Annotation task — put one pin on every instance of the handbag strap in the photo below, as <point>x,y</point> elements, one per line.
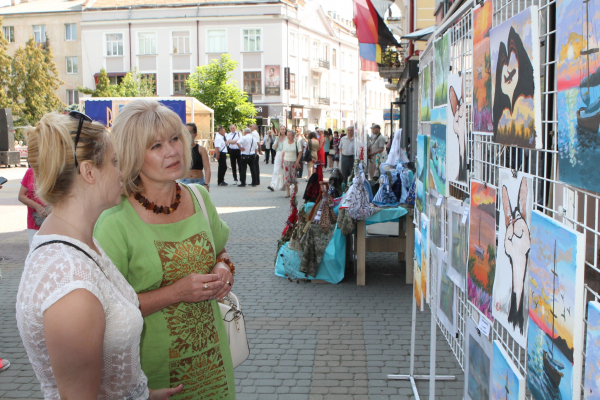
<point>200,200</point>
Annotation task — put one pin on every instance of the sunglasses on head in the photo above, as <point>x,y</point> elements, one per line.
<point>81,117</point>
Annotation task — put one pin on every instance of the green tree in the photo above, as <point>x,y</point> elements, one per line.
<point>34,80</point>
<point>5,100</point>
<point>213,86</point>
<point>103,87</point>
<point>134,84</point>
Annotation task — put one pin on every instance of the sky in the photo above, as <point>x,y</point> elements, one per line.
<point>342,7</point>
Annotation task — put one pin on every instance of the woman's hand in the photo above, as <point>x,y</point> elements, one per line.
<point>222,270</point>
<point>297,165</point>
<point>163,394</point>
<point>207,187</point>
<point>195,288</point>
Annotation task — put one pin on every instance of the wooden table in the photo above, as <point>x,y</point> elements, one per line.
<point>403,244</point>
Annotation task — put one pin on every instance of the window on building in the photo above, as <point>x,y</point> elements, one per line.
<point>39,33</point>
<point>305,86</point>
<point>350,63</point>
<point>334,58</point>
<point>305,47</point>
<point>147,43</point>
<point>70,32</point>
<point>114,44</point>
<point>9,33</point>
<point>179,82</point>
<point>292,44</point>
<point>181,42</point>
<point>315,50</point>
<point>315,87</point>
<point>252,39</point>
<point>351,98</point>
<point>72,97</point>
<point>293,84</point>
<point>72,67</point>
<point>116,79</point>
<point>252,82</point>
<point>343,94</point>
<point>326,52</point>
<point>334,92</point>
<point>343,61</point>
<point>217,40</point>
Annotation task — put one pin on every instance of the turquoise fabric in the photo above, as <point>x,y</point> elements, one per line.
<point>386,215</point>
<point>326,146</point>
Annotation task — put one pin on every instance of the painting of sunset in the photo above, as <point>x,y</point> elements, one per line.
<point>418,288</point>
<point>482,69</point>
<point>591,383</point>
<point>578,79</point>
<point>482,247</point>
<point>425,256</point>
<point>555,334</point>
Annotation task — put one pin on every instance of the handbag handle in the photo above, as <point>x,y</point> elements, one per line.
<point>199,199</point>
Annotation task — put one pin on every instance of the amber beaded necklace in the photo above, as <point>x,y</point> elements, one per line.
<point>148,205</point>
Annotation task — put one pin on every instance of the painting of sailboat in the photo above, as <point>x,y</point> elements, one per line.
<point>437,151</point>
<point>436,230</point>
<point>578,80</point>
<point>555,331</point>
<point>458,242</point>
<point>507,382</point>
<point>591,383</point>
<point>481,268</point>
<point>478,363</point>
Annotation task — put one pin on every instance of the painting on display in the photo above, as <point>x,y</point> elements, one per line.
<point>426,93</point>
<point>437,151</point>
<point>516,104</point>
<point>478,361</point>
<point>578,80</point>
<point>458,242</point>
<point>441,59</point>
<point>507,382</point>
<point>456,126</point>
<point>425,257</point>
<point>417,284</point>
<point>482,69</point>
<point>422,173</point>
<point>272,80</point>
<point>591,382</point>
<point>481,267</point>
<point>514,244</point>
<point>555,331</point>
<point>446,299</point>
<point>436,218</point>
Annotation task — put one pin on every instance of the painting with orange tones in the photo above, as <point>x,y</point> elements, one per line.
<point>482,69</point>
<point>556,310</point>
<point>481,268</point>
<point>578,79</point>
<point>418,286</point>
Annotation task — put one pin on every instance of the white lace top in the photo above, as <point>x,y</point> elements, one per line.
<point>52,272</point>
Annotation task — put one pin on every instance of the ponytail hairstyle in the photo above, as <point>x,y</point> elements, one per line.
<point>51,147</point>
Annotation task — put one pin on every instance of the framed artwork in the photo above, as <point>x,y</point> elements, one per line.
<point>555,331</point>
<point>516,100</point>
<point>437,151</point>
<point>482,69</point>
<point>441,59</point>
<point>418,285</point>
<point>478,363</point>
<point>514,244</point>
<point>422,171</point>
<point>481,267</point>
<point>456,130</point>
<point>425,257</point>
<point>426,93</point>
<point>446,294</point>
<point>578,73</point>
<point>436,218</point>
<point>458,242</point>
<point>507,382</point>
<point>591,382</point>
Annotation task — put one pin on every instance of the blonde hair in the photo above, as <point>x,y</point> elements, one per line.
<point>51,146</point>
<point>135,130</point>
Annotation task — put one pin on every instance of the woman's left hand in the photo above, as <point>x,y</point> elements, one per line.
<point>164,394</point>
<point>226,276</point>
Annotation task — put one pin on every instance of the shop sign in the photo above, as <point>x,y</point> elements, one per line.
<point>286,78</point>
<point>297,112</point>
<point>262,111</point>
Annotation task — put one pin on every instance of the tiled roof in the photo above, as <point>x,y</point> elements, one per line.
<point>96,4</point>
<point>43,6</point>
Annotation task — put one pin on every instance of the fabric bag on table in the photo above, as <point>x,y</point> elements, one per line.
<point>385,197</point>
<point>357,199</point>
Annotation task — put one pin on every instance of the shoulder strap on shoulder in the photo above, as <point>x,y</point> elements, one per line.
<point>67,244</point>
<point>200,200</point>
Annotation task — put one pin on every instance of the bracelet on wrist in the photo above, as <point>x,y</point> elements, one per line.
<point>228,263</point>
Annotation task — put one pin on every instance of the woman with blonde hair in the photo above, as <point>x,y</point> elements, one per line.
<point>277,178</point>
<point>78,317</point>
<point>169,243</point>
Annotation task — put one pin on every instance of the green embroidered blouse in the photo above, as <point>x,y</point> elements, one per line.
<point>185,342</point>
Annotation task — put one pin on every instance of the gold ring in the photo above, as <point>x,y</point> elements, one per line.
<point>229,283</point>
<point>206,287</point>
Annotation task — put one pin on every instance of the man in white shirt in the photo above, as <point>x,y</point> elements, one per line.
<point>375,147</point>
<point>249,147</point>
<point>221,155</point>
<point>256,176</point>
<point>234,152</point>
<point>347,150</point>
<point>300,138</point>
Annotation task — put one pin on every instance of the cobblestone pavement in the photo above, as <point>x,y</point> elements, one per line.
<point>308,341</point>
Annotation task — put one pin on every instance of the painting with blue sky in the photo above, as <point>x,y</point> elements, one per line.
<point>591,383</point>
<point>418,287</point>
<point>507,382</point>
<point>425,256</point>
<point>422,171</point>
<point>437,151</point>
<point>555,328</point>
<point>478,357</point>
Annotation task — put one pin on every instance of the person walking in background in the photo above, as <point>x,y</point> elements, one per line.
<point>300,138</point>
<point>36,209</point>
<point>347,148</point>
<point>270,150</point>
<point>221,155</point>
<point>292,154</point>
<point>276,182</point>
<point>376,146</point>
<point>249,147</point>
<point>326,148</point>
<point>256,176</point>
<point>313,147</point>
<point>321,151</point>
<point>235,155</point>
<point>198,174</point>
<point>336,149</point>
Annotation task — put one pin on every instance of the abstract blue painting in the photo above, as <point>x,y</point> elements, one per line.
<point>591,383</point>
<point>507,382</point>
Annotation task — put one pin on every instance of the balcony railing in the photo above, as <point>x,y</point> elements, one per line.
<point>324,64</point>
<point>323,100</point>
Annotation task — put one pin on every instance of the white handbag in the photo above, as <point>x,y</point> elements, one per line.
<point>235,326</point>
<point>231,311</point>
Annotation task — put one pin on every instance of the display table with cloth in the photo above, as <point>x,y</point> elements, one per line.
<point>332,266</point>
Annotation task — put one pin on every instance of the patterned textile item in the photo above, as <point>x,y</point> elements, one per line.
<point>312,192</point>
<point>291,264</point>
<point>385,197</point>
<point>289,173</point>
<point>410,199</point>
<point>335,183</point>
<point>313,244</point>
<point>327,216</point>
<point>344,222</point>
<point>357,198</point>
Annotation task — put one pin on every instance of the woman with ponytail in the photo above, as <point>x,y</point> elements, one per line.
<point>78,317</point>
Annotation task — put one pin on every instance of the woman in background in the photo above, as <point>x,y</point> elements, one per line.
<point>200,171</point>
<point>278,147</point>
<point>28,196</point>
<point>336,149</point>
